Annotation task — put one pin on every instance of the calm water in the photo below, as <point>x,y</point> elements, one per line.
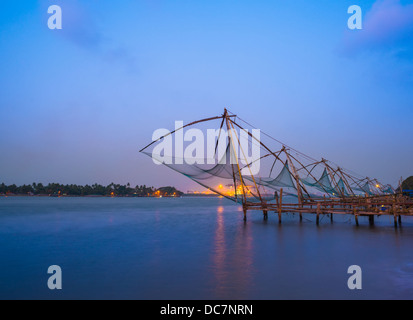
<point>193,248</point>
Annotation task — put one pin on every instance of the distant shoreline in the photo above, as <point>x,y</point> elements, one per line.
<point>100,196</point>
<point>95,190</point>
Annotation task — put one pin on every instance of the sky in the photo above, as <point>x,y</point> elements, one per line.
<point>77,104</point>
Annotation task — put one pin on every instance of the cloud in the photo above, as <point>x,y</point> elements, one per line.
<point>387,27</point>
<point>80,29</point>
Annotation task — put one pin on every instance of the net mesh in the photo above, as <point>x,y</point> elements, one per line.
<point>226,163</point>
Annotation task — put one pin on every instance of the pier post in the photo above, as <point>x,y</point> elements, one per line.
<point>265,215</point>
<point>280,206</point>
<point>331,214</point>
<point>245,214</point>
<point>371,220</point>
<point>318,213</point>
<point>355,215</point>
<point>395,215</point>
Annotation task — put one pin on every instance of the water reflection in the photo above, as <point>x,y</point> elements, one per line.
<point>220,253</point>
<point>232,260</point>
<point>243,259</point>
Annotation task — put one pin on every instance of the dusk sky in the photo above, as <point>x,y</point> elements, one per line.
<point>77,104</point>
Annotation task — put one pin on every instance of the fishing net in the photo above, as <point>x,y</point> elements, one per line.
<point>229,157</point>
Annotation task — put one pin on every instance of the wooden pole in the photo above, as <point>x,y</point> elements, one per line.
<point>356,216</point>
<point>331,214</point>
<point>395,215</point>
<point>296,177</point>
<point>239,169</point>
<point>333,180</point>
<point>318,213</point>
<point>280,206</point>
<point>265,212</point>
<point>225,115</point>
<point>231,142</point>
<point>345,182</point>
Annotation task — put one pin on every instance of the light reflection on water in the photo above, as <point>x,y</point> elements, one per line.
<point>220,254</point>
<point>194,248</point>
<point>233,266</point>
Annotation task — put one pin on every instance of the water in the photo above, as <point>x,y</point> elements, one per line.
<point>193,248</point>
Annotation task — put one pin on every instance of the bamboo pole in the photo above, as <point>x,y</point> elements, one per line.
<point>236,158</point>
<point>249,168</point>
<point>343,177</point>
<point>297,181</point>
<point>185,126</point>
<point>331,172</point>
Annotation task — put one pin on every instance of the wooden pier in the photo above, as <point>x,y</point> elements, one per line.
<point>320,186</point>
<point>395,206</point>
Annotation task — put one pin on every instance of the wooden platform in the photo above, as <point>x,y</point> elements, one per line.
<point>391,205</point>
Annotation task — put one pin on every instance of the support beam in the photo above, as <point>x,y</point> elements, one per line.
<point>296,177</point>
<point>395,213</point>
<point>332,178</point>
<point>331,214</point>
<point>280,206</point>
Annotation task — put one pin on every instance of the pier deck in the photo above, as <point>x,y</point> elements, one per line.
<point>394,205</point>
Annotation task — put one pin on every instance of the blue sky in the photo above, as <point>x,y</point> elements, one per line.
<point>77,104</point>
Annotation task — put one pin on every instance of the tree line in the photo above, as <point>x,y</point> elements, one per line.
<point>408,184</point>
<point>55,189</point>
